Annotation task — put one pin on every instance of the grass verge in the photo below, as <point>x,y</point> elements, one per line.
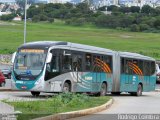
<point>57,104</point>
<point>143,43</point>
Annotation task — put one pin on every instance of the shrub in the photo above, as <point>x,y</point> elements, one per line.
<point>43,17</point>
<point>51,20</point>
<point>36,18</point>
<point>144,27</point>
<point>134,28</point>
<point>7,17</point>
<point>76,21</point>
<point>157,23</point>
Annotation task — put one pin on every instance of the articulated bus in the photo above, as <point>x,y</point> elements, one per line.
<point>47,66</point>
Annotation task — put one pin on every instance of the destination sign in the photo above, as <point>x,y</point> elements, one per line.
<point>32,51</point>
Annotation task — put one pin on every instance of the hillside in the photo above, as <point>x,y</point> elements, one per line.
<point>144,43</point>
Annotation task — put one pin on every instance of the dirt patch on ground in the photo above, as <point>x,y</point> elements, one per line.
<point>7,23</point>
<point>126,36</point>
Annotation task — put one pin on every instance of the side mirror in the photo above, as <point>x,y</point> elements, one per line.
<point>13,57</point>
<point>49,58</point>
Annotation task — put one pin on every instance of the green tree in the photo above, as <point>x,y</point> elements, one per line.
<point>68,5</point>
<point>109,21</point>
<point>33,10</point>
<point>125,21</point>
<point>144,27</point>
<point>36,18</point>
<point>124,9</point>
<point>134,28</point>
<point>103,8</point>
<point>112,8</point>
<point>7,17</point>
<point>135,9</point>
<point>157,23</point>
<point>157,10</point>
<point>83,7</point>
<point>146,9</point>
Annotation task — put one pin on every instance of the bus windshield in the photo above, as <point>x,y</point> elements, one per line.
<point>29,63</point>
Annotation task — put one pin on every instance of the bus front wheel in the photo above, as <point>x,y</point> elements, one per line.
<point>66,87</point>
<point>35,93</point>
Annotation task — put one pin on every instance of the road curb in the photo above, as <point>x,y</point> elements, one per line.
<point>73,114</point>
<point>9,90</point>
<point>5,89</point>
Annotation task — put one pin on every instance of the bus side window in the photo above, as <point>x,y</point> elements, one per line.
<point>52,68</point>
<point>128,69</point>
<point>122,65</point>
<point>135,63</point>
<point>141,65</point>
<point>66,63</point>
<point>88,62</point>
<point>153,68</point>
<point>109,62</point>
<point>55,64</point>
<point>96,64</point>
<point>146,68</point>
<point>77,63</point>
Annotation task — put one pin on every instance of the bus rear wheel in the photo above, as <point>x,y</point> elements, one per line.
<point>66,87</point>
<point>35,93</point>
<point>103,90</point>
<point>139,91</point>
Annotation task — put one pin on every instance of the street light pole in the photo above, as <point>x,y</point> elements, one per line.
<point>25,17</point>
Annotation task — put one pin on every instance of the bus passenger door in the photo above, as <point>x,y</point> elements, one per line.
<point>96,73</point>
<point>77,71</point>
<point>87,76</point>
<point>126,75</point>
<point>146,76</point>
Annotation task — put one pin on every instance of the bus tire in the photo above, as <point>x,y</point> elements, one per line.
<point>66,87</point>
<point>116,93</point>
<point>103,90</point>
<point>139,90</point>
<point>35,93</point>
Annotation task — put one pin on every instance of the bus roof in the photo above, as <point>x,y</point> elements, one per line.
<point>135,55</point>
<point>42,44</point>
<point>80,47</point>
<point>60,44</point>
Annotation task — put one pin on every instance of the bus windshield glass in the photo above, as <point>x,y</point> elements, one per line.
<point>29,62</point>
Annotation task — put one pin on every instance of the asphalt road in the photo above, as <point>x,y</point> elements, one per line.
<point>149,103</point>
<point>8,83</point>
<point>2,66</point>
<point>23,96</point>
<point>124,104</point>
